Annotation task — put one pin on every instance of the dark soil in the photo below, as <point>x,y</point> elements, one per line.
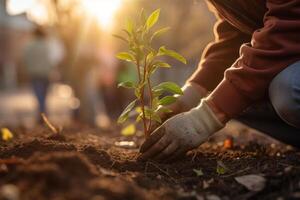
<point>86,165</point>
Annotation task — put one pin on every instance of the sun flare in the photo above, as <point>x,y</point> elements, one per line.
<point>103,10</point>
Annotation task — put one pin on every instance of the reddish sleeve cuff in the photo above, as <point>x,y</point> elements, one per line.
<point>228,99</point>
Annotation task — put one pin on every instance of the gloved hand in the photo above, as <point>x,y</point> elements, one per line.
<point>192,94</point>
<point>181,133</point>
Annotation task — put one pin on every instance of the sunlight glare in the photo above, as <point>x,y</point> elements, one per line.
<point>15,7</point>
<point>103,10</point>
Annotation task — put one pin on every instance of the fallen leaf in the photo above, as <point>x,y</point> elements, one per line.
<point>198,172</point>
<point>6,134</point>
<point>206,183</point>
<point>212,197</point>
<point>252,182</point>
<point>221,168</point>
<point>129,130</point>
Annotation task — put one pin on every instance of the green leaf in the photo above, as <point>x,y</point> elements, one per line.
<point>162,64</point>
<point>124,116</point>
<point>128,130</point>
<point>155,101</point>
<point>159,32</point>
<point>156,117</point>
<point>169,87</point>
<point>152,19</point>
<point>163,109</point>
<point>125,56</point>
<point>138,109</point>
<point>167,100</point>
<point>150,114</point>
<point>129,26</point>
<point>137,93</point>
<point>150,57</point>
<point>221,168</point>
<point>157,93</point>
<point>171,53</point>
<point>143,16</point>
<point>126,32</point>
<point>139,117</point>
<point>126,84</point>
<point>120,37</point>
<point>198,172</point>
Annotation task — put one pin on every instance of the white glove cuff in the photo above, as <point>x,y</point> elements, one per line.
<point>190,98</point>
<point>204,119</point>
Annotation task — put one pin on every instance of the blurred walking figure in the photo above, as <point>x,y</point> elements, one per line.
<point>38,64</point>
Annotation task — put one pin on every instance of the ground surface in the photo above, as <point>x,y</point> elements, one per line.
<point>81,164</point>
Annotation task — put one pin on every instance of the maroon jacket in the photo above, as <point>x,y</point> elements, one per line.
<point>255,40</point>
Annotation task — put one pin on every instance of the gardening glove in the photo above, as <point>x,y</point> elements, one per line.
<point>181,133</point>
<point>192,94</point>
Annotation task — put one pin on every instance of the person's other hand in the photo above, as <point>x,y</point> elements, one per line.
<point>180,134</point>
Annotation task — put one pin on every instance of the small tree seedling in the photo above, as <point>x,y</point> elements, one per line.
<point>147,60</point>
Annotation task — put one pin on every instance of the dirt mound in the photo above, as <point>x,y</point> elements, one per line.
<point>73,168</point>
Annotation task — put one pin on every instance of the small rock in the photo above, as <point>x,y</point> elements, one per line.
<point>252,182</point>
<point>3,168</point>
<point>296,195</point>
<point>126,144</point>
<point>288,169</point>
<point>213,197</point>
<point>10,192</point>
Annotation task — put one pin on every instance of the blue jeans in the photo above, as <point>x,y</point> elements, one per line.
<point>279,117</point>
<point>40,89</point>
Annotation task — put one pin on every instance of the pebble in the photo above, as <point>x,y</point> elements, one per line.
<point>9,192</point>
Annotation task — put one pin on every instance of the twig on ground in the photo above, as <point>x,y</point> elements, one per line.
<point>194,156</point>
<point>235,173</point>
<point>49,125</point>
<point>288,165</point>
<point>163,171</point>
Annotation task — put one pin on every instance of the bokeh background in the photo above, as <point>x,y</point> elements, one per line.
<point>72,40</point>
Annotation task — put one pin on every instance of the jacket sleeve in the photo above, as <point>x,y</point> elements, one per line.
<point>272,48</point>
<point>219,55</point>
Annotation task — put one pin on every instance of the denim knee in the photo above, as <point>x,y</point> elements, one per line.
<point>284,93</point>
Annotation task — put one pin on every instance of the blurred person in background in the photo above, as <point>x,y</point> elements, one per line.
<point>250,72</point>
<point>40,56</point>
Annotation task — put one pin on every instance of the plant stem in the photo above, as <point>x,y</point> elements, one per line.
<point>151,99</point>
<point>142,99</point>
<point>143,111</point>
<point>138,69</point>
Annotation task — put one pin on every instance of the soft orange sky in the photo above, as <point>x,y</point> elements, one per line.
<point>102,10</point>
